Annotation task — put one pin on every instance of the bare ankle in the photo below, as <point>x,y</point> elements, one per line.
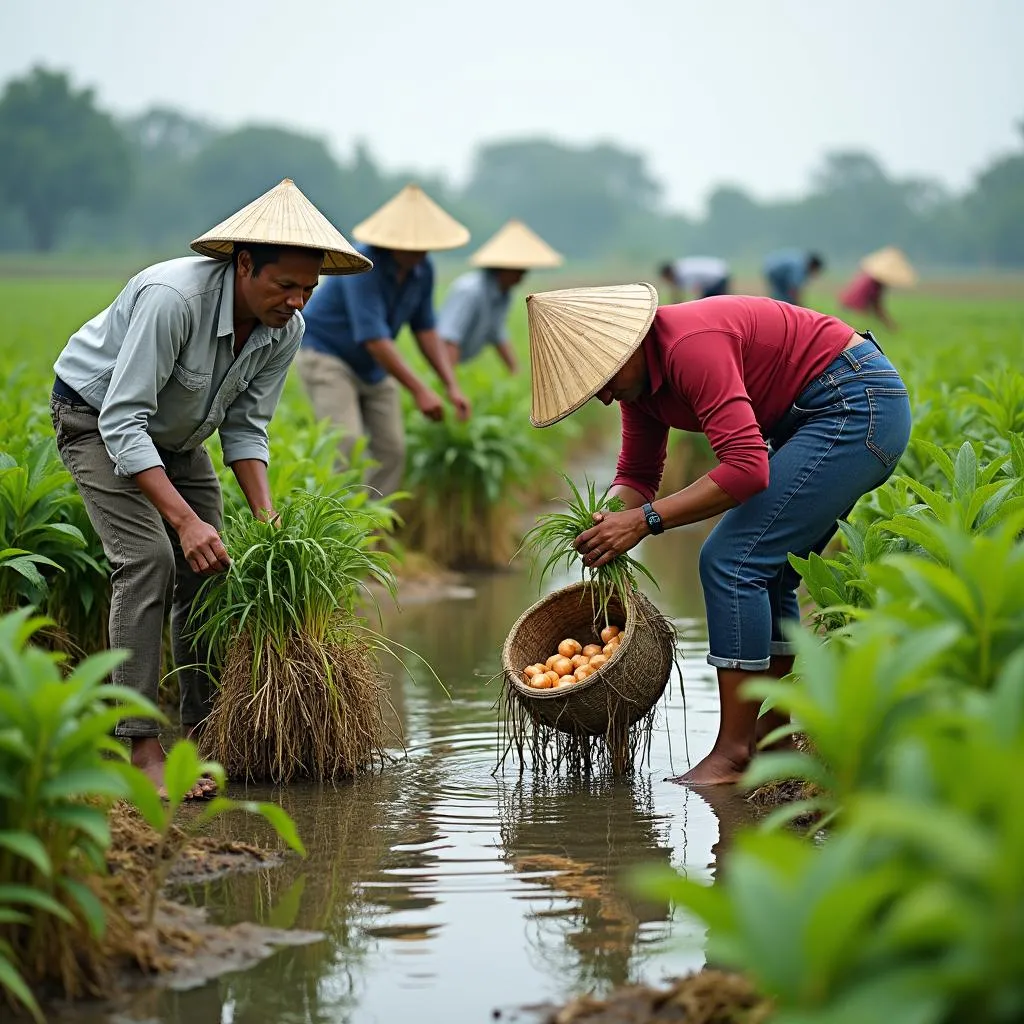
<point>147,750</point>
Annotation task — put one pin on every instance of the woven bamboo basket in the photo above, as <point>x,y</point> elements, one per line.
<point>621,693</point>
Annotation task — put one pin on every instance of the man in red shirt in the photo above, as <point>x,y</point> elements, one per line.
<point>804,415</point>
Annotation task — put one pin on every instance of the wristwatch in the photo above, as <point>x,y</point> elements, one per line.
<point>654,523</point>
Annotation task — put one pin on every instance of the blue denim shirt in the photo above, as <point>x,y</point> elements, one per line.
<point>787,268</point>
<point>347,311</point>
<point>474,313</point>
<point>159,365</point>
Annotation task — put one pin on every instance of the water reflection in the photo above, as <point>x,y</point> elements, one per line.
<point>574,839</point>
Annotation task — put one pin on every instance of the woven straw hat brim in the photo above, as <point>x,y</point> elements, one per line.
<point>516,247</point>
<point>579,339</point>
<point>283,216</point>
<point>411,221</point>
<point>890,267</point>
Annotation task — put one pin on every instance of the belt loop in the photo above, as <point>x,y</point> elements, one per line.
<point>850,358</point>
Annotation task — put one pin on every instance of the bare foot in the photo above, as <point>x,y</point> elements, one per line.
<point>149,757</point>
<point>194,733</point>
<point>716,769</point>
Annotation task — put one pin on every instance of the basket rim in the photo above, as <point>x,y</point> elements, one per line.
<point>561,693</point>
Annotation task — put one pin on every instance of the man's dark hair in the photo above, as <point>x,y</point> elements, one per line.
<point>815,262</point>
<point>665,270</point>
<point>263,254</point>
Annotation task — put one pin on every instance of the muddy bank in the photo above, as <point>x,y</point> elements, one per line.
<point>707,997</point>
<point>176,947</point>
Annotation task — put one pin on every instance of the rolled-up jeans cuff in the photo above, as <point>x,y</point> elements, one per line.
<point>782,649</point>
<point>137,728</point>
<point>758,665</point>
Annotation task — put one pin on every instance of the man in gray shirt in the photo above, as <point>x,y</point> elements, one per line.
<point>475,311</point>
<point>189,346</point>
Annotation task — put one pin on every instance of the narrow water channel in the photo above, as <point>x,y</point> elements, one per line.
<point>448,891</point>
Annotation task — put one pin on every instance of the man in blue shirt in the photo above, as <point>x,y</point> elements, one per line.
<point>349,362</point>
<point>788,270</point>
<point>475,310</point>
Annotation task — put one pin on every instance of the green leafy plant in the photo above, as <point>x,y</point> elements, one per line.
<point>911,908</point>
<point>59,772</point>
<point>182,770</point>
<point>467,478</point>
<point>554,539</point>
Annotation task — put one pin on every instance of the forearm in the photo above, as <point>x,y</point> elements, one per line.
<point>508,357</point>
<point>156,485</point>
<point>432,347</point>
<point>701,500</point>
<point>630,497</point>
<point>251,475</point>
<point>454,352</point>
<point>385,351</point>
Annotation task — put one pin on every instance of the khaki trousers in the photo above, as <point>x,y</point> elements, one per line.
<point>358,408</point>
<point>150,573</point>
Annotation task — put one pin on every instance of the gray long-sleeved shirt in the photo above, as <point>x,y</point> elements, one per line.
<point>158,364</point>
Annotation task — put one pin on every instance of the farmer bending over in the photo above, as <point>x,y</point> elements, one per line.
<point>475,310</point>
<point>741,370</point>
<point>787,271</point>
<point>350,364</point>
<point>189,346</point>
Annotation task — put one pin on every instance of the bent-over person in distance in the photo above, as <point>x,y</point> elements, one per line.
<point>787,272</point>
<point>738,369</point>
<point>188,347</point>
<point>884,269</point>
<point>475,310</point>
<point>699,276</point>
<point>349,362</point>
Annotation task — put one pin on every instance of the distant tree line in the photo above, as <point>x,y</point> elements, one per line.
<point>72,177</point>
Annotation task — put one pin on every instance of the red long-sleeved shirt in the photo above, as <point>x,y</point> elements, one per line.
<point>729,367</point>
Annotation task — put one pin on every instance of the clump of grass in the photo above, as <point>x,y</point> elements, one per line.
<point>300,689</point>
<point>467,479</point>
<point>554,539</point>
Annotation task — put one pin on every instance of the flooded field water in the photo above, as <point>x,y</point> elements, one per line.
<point>449,891</point>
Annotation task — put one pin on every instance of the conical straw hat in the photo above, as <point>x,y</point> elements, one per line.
<point>889,266</point>
<point>411,221</point>
<point>283,216</point>
<point>515,247</point>
<point>579,339</point>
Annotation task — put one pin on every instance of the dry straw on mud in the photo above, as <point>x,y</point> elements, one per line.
<point>301,693</point>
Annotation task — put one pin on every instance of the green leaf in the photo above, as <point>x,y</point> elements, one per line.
<point>34,898</point>
<point>13,982</point>
<point>277,816</point>
<point>29,848</point>
<point>83,782</point>
<point>92,909</point>
<point>181,771</point>
<point>145,795</point>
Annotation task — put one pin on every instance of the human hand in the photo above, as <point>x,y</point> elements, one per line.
<point>203,548</point>
<point>614,534</point>
<point>429,403</point>
<point>461,403</point>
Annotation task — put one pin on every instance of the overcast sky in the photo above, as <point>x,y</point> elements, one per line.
<point>747,91</point>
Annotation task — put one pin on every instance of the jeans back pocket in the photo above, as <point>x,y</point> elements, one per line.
<point>888,423</point>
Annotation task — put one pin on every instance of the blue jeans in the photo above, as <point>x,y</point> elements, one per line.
<point>842,438</point>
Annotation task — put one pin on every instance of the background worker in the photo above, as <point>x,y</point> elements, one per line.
<point>883,269</point>
<point>349,362</point>
<point>475,310</point>
<point>699,276</point>
<point>787,272</point>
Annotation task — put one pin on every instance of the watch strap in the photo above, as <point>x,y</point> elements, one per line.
<point>654,523</point>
